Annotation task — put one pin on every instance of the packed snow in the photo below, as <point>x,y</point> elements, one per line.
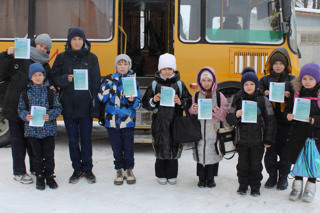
<point>144,196</point>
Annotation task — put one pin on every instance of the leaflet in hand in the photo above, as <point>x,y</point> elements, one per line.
<point>37,112</point>
<point>301,109</point>
<point>276,92</point>
<point>205,108</point>
<point>80,79</point>
<point>23,48</point>
<point>167,96</point>
<point>129,86</point>
<point>249,112</point>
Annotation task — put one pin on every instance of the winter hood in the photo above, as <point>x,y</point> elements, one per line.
<point>210,70</point>
<point>268,67</point>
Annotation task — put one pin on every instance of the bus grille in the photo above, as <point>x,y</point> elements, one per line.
<point>254,59</point>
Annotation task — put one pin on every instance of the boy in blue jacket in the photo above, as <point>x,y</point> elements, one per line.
<point>41,139</point>
<point>120,115</point>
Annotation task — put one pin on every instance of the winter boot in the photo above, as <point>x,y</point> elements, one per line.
<point>128,174</point>
<point>271,182</point>
<point>242,190</point>
<point>76,176</point>
<point>309,192</point>
<point>211,183</point>
<point>202,183</point>
<point>51,182</point>
<point>90,176</point>
<point>255,192</point>
<point>119,178</point>
<point>40,185</point>
<point>283,182</point>
<point>297,187</point>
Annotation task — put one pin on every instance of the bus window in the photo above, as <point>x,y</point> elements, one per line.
<point>189,20</point>
<point>14,18</point>
<point>293,34</point>
<point>95,17</point>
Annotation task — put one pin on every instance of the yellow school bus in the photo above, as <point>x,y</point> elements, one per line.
<point>227,35</point>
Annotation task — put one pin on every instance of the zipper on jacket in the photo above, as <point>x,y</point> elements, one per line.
<point>204,142</point>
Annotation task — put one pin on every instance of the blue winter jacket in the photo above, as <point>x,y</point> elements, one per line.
<point>119,112</point>
<point>77,103</point>
<point>37,96</point>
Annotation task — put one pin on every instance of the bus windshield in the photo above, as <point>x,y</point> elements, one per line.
<point>231,21</point>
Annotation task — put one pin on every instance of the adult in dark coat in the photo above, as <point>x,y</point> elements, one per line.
<point>167,151</point>
<point>78,105</point>
<point>251,136</point>
<point>16,72</point>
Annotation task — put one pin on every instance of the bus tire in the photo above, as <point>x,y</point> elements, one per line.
<point>4,133</point>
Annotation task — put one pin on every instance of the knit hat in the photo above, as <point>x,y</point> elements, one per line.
<point>247,69</point>
<point>206,74</point>
<point>76,31</point>
<point>44,39</point>
<point>123,57</point>
<point>278,56</point>
<point>311,69</point>
<point>250,76</point>
<point>36,67</point>
<point>167,61</point>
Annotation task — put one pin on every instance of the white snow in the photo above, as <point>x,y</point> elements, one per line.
<point>144,196</point>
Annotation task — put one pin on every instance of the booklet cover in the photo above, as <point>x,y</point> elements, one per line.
<point>37,112</point>
<point>276,92</point>
<point>301,109</point>
<point>80,79</point>
<point>167,96</point>
<point>205,109</point>
<point>129,86</point>
<point>23,48</point>
<point>249,112</point>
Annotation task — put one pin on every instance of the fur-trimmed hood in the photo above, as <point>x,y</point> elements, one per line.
<point>214,86</point>
<point>268,68</point>
<point>296,84</point>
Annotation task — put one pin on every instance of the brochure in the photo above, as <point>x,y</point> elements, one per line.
<point>37,112</point>
<point>81,79</point>
<point>129,86</point>
<point>301,109</point>
<point>249,112</point>
<point>167,96</point>
<point>276,92</point>
<point>23,48</point>
<point>205,109</point>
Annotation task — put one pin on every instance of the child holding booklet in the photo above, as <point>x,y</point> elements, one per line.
<point>205,152</point>
<point>252,137</point>
<point>41,139</point>
<point>167,151</point>
<point>278,69</point>
<point>120,115</point>
<point>305,86</point>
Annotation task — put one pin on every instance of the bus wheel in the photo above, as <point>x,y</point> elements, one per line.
<point>4,131</point>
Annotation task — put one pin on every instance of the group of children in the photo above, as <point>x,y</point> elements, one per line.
<point>274,130</point>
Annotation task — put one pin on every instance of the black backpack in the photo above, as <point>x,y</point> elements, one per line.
<point>102,105</point>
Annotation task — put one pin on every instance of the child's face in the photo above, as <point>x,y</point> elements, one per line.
<point>166,72</point>
<point>308,81</point>
<point>249,87</point>
<point>37,78</point>
<point>122,67</point>
<point>206,83</point>
<point>278,67</point>
<point>42,47</point>
<point>76,43</point>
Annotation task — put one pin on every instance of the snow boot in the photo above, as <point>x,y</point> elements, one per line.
<point>283,182</point>
<point>255,192</point>
<point>271,182</point>
<point>211,183</point>
<point>242,190</point>
<point>90,176</point>
<point>202,183</point>
<point>128,174</point>
<point>172,181</point>
<point>76,176</point>
<point>51,182</point>
<point>297,187</point>
<point>119,178</point>
<point>40,185</point>
<point>309,192</point>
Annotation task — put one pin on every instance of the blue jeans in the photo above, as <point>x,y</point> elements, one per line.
<point>80,155</point>
<point>19,147</point>
<point>122,146</point>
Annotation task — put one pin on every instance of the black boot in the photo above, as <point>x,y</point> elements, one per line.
<point>202,183</point>
<point>40,183</point>
<point>283,182</point>
<point>255,192</point>
<point>51,182</point>
<point>211,183</point>
<point>271,182</point>
<point>242,190</point>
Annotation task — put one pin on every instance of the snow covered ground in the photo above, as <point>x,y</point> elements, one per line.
<point>144,196</point>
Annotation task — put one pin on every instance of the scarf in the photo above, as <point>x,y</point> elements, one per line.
<point>38,56</point>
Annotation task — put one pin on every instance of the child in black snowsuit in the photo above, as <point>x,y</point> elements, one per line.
<point>252,137</point>
<point>278,67</point>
